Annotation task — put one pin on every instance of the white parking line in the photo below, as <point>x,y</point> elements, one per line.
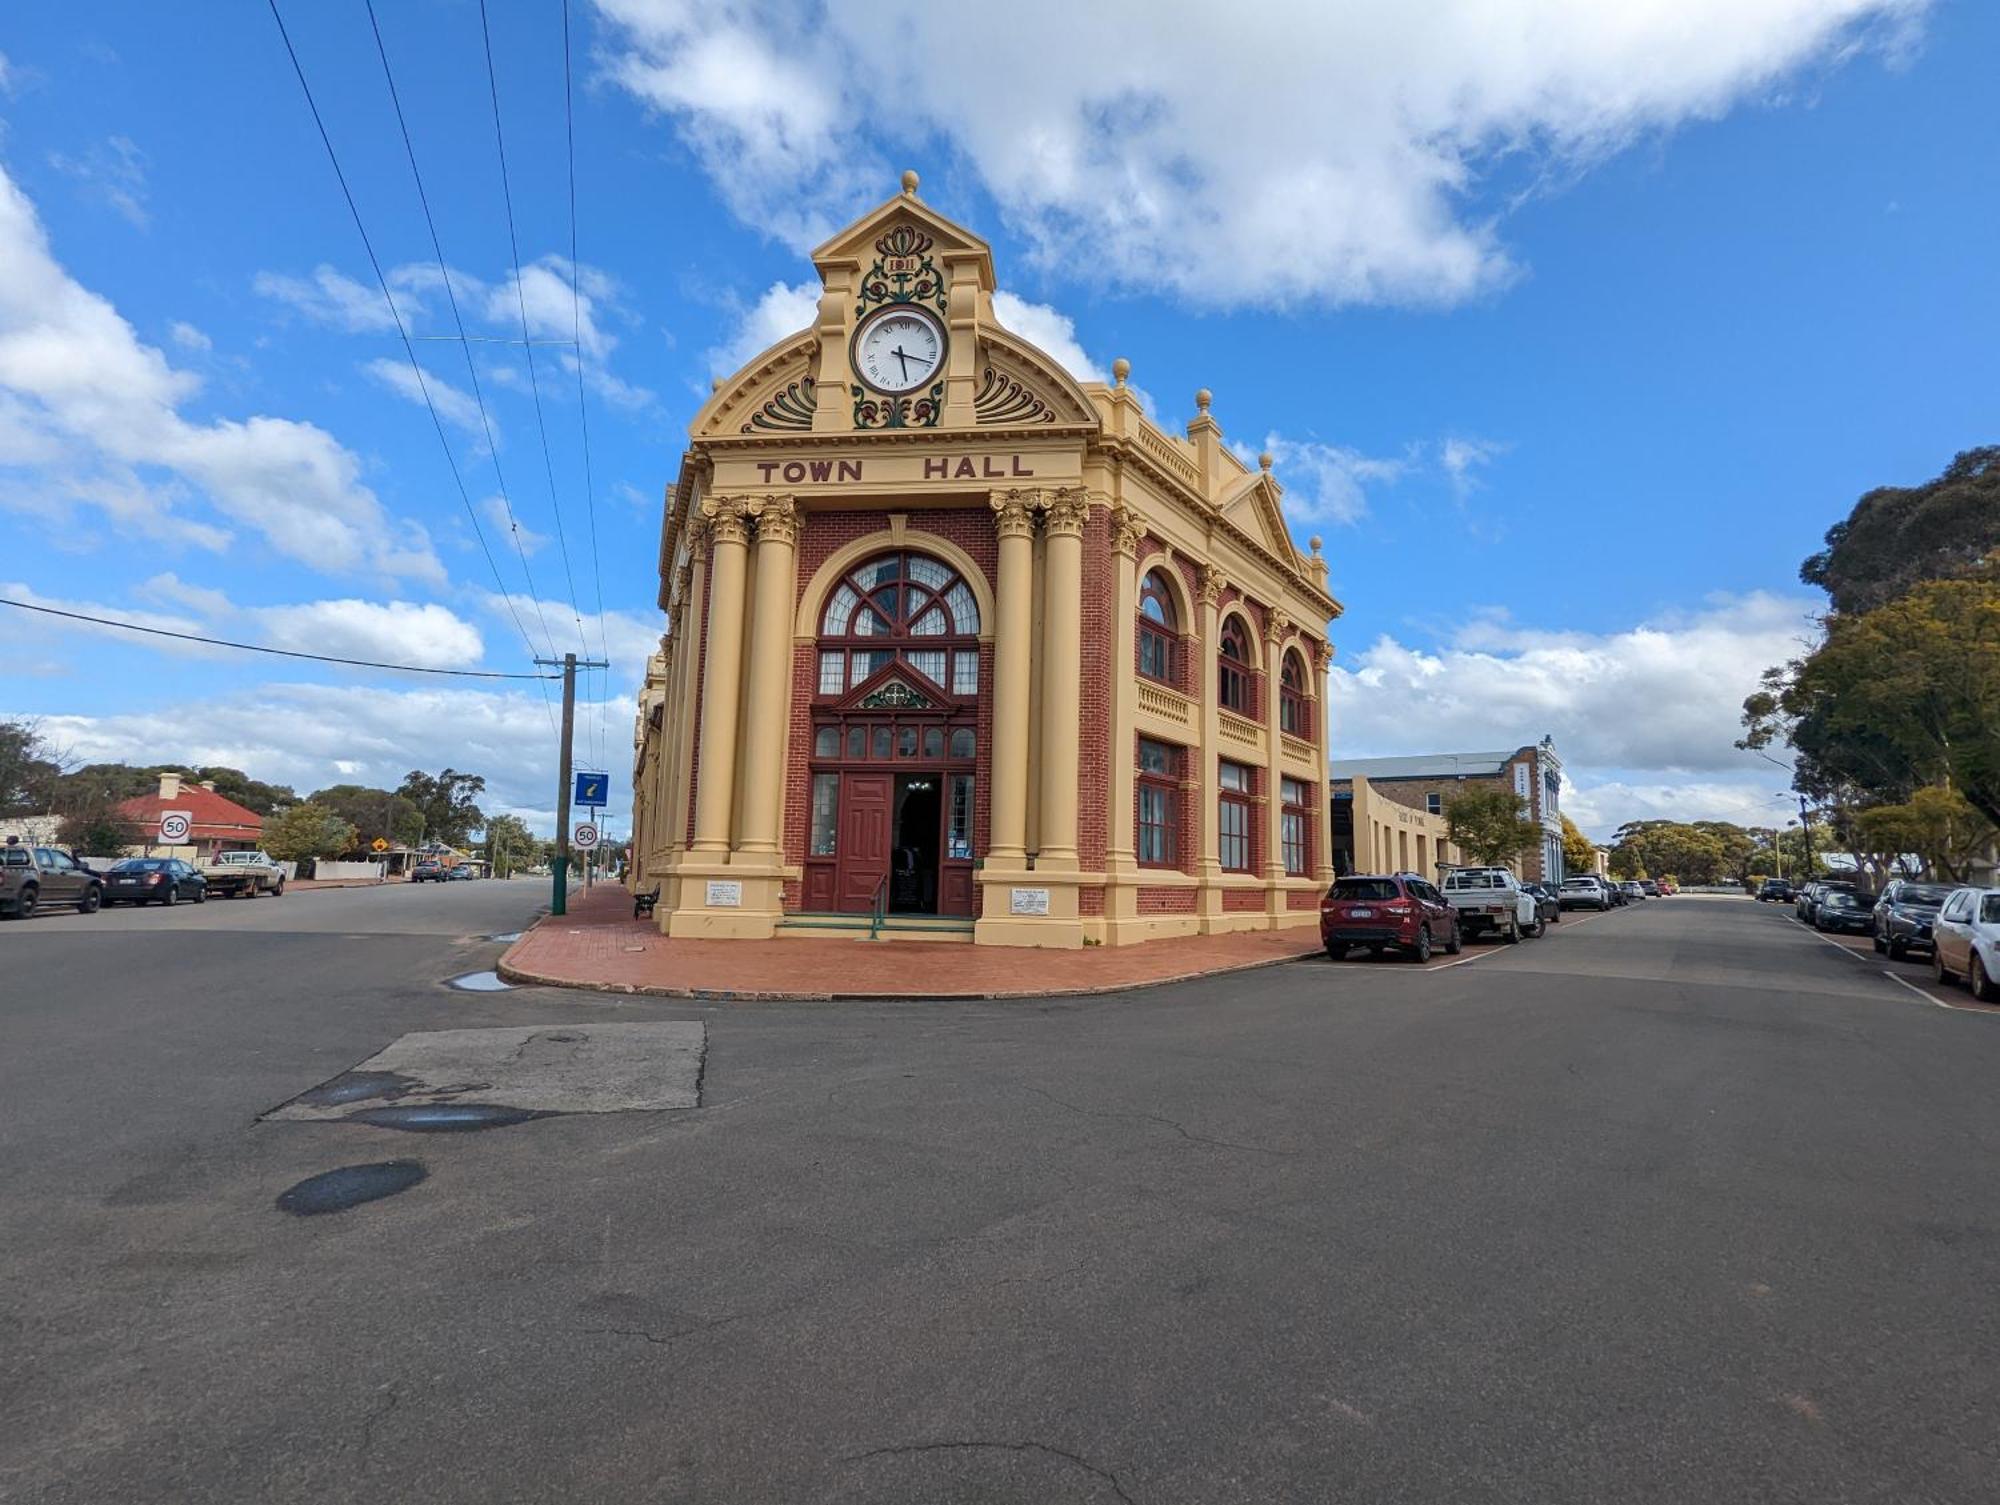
<point>1904,982</point>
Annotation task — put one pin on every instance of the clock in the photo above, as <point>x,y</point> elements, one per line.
<point>898,349</point>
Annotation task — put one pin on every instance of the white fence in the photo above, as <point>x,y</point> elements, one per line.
<point>327,870</point>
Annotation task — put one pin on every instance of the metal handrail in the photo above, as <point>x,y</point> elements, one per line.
<point>878,908</point>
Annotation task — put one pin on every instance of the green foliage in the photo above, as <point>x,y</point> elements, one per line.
<point>1936,824</point>
<point>373,813</point>
<point>307,831</point>
<point>1491,825</point>
<point>235,784</point>
<point>93,833</point>
<point>447,803</point>
<point>29,770</point>
<point>1579,851</point>
<point>1897,537</point>
<point>509,844</point>
<point>1703,851</point>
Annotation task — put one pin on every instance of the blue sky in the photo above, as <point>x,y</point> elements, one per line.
<point>1571,331</point>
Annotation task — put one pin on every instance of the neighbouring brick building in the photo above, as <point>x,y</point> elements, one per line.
<point>1429,781</point>
<point>216,824</point>
<point>961,647</point>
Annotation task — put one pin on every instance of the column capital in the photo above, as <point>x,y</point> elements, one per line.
<point>1277,627</point>
<point>1323,657</point>
<point>728,519</point>
<point>1212,584</point>
<point>1128,531</point>
<point>778,517</point>
<point>1067,509</point>
<point>1014,512</point>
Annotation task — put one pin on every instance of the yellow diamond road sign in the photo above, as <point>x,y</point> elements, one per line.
<point>379,844</point>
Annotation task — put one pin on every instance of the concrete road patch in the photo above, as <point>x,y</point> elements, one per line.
<point>563,1068</point>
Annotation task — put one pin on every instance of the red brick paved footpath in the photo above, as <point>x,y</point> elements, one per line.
<point>599,945</point>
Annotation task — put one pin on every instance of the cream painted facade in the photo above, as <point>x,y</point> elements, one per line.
<point>985,656</point>
<point>1391,837</point>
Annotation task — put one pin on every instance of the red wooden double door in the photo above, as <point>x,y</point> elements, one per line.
<point>900,834</point>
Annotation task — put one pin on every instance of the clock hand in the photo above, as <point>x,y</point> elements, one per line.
<point>899,355</point>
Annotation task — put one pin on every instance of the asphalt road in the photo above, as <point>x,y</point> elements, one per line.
<point>1679,1203</point>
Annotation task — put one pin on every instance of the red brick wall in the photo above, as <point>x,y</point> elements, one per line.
<point>1093,802</point>
<point>1239,900</point>
<point>700,679</point>
<point>1302,898</point>
<point>1090,901</point>
<point>1166,901</point>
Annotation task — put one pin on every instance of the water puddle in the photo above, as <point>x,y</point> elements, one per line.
<point>444,1118</point>
<point>507,937</point>
<point>350,1186</point>
<point>480,982</point>
<point>353,1086</point>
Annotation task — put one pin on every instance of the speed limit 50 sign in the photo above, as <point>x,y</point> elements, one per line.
<point>584,837</point>
<point>175,825</point>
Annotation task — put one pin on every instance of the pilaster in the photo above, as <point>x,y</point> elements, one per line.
<point>1208,850</point>
<point>1121,866</point>
<point>1277,627</point>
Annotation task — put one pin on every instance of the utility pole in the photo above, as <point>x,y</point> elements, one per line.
<point>1805,835</point>
<point>559,903</point>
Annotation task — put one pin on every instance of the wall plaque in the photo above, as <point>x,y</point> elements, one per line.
<point>725,895</point>
<point>1029,901</point>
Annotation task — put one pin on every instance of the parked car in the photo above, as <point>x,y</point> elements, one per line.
<point>1844,911</point>
<point>1904,915</point>
<point>1650,888</point>
<point>1776,891</point>
<point>31,877</point>
<point>1584,893</point>
<point>1400,910</point>
<point>154,880</point>
<point>244,875</point>
<point>430,870</point>
<point>461,873</point>
<point>1490,900</point>
<point>1668,887</point>
<point>1548,908</point>
<point>1632,889</point>
<point>1810,896</point>
<point>1967,941</point>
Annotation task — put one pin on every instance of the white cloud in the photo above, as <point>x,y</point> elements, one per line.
<point>1049,330</point>
<point>53,632</point>
<point>1601,808</point>
<point>506,522</point>
<point>188,337</point>
<point>783,310</point>
<point>1654,706</point>
<point>454,405</point>
<point>333,298</point>
<point>6,75</point>
<point>113,172</point>
<point>1325,484</point>
<point>1462,459</point>
<point>74,371</point>
<point>628,640</point>
<point>1333,150</point>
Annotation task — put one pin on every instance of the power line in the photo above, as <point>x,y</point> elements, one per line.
<point>582,409</point>
<point>451,297</point>
<point>402,330</point>
<point>322,658</point>
<point>521,302</point>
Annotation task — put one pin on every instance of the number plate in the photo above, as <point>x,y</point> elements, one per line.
<point>1361,914</point>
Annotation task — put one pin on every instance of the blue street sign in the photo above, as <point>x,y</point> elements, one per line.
<point>592,788</point>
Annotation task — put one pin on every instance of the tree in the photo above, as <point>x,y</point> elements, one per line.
<point>446,802</point>
<point>307,831</point>
<point>1936,824</point>
<point>94,833</point>
<point>509,844</point>
<point>1491,825</point>
<point>235,784</point>
<point>28,769</point>
<point>373,813</point>
<point>1579,851</point>
<point>1898,537</point>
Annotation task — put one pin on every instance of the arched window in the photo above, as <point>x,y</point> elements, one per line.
<point>903,606</point>
<point>1294,699</point>
<point>1235,656</point>
<point>1159,629</point>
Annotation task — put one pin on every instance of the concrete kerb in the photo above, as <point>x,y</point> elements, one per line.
<point>522,977</point>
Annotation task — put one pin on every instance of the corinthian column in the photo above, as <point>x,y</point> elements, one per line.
<point>770,664</point>
<point>722,676</point>
<point>1208,856</point>
<point>1013,518</point>
<point>1062,676</point>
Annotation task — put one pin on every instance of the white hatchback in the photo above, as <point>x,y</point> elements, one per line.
<point>1967,936</point>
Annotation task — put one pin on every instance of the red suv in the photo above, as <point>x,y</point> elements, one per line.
<point>1400,910</point>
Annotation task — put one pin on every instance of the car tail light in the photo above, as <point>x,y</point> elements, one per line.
<point>1399,907</point>
<point>157,878</point>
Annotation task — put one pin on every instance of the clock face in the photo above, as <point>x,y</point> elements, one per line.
<point>899,350</point>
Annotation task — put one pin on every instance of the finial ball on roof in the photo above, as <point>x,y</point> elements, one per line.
<point>715,384</point>
<point>1317,543</point>
<point>1264,460</point>
<point>909,182</point>
<point>1203,398</point>
<point>1120,369</point>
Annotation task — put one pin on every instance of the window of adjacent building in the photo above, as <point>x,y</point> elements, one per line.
<point>1159,628</point>
<point>825,812</point>
<point>1234,816</point>
<point>1294,704</point>
<point>1296,826</point>
<point>1434,803</point>
<point>1235,660</point>
<point>1159,795</point>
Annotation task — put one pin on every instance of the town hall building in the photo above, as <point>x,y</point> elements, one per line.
<point>960,648</point>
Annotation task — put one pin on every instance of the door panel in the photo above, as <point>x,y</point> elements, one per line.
<point>866,800</point>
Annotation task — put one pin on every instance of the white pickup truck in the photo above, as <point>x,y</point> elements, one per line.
<point>243,875</point>
<point>1491,899</point>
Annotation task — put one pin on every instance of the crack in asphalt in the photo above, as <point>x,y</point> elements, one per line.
<point>970,1444</point>
<point>1155,1118</point>
<point>392,1398</point>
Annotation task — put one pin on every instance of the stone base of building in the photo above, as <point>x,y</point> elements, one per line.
<point>723,901</point>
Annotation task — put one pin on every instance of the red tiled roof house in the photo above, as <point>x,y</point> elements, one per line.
<point>217,824</point>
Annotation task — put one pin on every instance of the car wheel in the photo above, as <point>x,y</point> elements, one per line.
<point>1943,973</point>
<point>1335,952</point>
<point>92,898</point>
<point>1982,986</point>
<point>278,889</point>
<point>1421,952</point>
<point>24,904</point>
<point>172,896</point>
<point>1897,950</point>
<point>1513,935</point>
<point>201,894</point>
<point>1534,931</point>
<point>1453,941</point>
<point>1881,946</point>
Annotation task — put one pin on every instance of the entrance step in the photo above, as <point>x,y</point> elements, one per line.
<point>807,925</point>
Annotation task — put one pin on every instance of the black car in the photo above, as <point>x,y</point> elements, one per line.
<point>1776,891</point>
<point>1903,916</point>
<point>1842,909</point>
<point>154,880</point>
<point>1814,893</point>
<point>1548,907</point>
